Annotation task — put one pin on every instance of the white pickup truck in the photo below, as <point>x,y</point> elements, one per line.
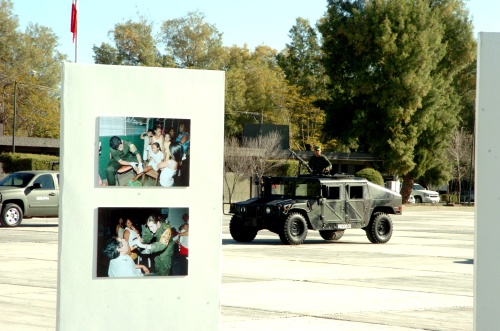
<point>422,195</point>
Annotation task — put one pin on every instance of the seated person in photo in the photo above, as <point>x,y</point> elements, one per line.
<point>170,168</point>
<point>183,137</point>
<point>121,264</point>
<point>122,153</point>
<point>181,258</point>
<point>146,136</point>
<point>155,158</point>
<point>166,146</point>
<point>129,235</point>
<point>120,227</point>
<point>158,136</point>
<point>171,131</point>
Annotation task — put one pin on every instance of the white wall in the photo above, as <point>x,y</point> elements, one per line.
<point>487,194</point>
<point>191,302</point>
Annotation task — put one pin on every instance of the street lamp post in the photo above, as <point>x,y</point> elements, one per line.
<point>14,120</point>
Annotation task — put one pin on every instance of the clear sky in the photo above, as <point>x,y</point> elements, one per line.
<point>252,22</point>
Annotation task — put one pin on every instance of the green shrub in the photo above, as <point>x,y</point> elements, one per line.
<point>371,175</point>
<point>12,162</point>
<point>451,198</point>
<point>290,168</point>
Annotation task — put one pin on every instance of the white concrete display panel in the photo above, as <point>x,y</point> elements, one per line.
<point>487,194</point>
<point>87,301</point>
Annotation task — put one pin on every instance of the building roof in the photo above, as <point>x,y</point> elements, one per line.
<point>30,145</point>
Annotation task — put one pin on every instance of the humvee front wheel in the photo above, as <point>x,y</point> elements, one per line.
<point>294,230</point>
<point>241,233</point>
<point>331,234</point>
<point>379,230</point>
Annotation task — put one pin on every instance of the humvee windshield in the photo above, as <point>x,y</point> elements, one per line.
<point>292,187</point>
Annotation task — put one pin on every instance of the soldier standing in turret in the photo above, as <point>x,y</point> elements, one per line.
<point>318,162</point>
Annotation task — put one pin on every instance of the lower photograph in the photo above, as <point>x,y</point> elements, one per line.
<point>142,242</point>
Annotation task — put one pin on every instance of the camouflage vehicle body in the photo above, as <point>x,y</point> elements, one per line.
<point>290,206</point>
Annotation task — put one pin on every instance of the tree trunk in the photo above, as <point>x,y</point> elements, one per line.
<point>406,188</point>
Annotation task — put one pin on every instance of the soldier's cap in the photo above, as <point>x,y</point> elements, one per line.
<point>317,148</point>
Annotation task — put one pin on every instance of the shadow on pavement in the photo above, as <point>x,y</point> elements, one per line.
<point>38,225</point>
<point>466,261</point>
<point>278,242</point>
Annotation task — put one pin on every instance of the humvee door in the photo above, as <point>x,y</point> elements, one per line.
<point>356,202</point>
<point>333,205</point>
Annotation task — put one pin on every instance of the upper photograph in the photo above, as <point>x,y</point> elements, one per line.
<point>143,151</point>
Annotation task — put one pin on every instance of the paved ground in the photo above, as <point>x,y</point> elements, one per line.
<point>420,280</point>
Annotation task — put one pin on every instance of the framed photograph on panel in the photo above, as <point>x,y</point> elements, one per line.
<point>137,242</point>
<point>143,151</point>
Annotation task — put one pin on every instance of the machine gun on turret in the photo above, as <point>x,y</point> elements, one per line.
<point>301,161</point>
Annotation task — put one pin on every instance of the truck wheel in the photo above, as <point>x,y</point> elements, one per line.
<point>418,199</point>
<point>12,215</point>
<point>379,230</point>
<point>331,234</point>
<point>239,232</point>
<point>295,229</point>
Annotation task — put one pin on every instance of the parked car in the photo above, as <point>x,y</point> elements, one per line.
<point>421,194</point>
<point>29,194</point>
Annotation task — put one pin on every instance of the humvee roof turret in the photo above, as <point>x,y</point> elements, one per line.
<point>290,206</point>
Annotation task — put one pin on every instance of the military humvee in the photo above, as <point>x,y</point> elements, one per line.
<point>290,206</point>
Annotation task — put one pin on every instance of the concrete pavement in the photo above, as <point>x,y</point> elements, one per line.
<point>420,280</point>
<point>28,276</point>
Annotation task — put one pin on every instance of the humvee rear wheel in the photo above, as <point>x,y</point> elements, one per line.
<point>379,230</point>
<point>241,233</point>
<point>294,230</point>
<point>331,234</point>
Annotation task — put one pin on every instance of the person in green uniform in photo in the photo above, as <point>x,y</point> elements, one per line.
<point>162,249</point>
<point>122,153</point>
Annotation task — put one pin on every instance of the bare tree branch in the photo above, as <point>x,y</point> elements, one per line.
<point>250,158</point>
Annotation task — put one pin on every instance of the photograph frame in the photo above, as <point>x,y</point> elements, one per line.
<point>149,151</point>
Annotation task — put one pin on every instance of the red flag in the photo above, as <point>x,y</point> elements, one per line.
<point>73,20</point>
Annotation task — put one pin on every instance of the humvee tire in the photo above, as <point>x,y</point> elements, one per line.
<point>241,233</point>
<point>295,229</point>
<point>331,234</point>
<point>379,230</point>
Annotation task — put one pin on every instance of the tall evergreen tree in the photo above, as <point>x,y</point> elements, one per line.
<point>301,60</point>
<point>392,65</point>
<point>301,64</point>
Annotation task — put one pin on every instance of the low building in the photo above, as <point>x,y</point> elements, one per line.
<point>31,145</point>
